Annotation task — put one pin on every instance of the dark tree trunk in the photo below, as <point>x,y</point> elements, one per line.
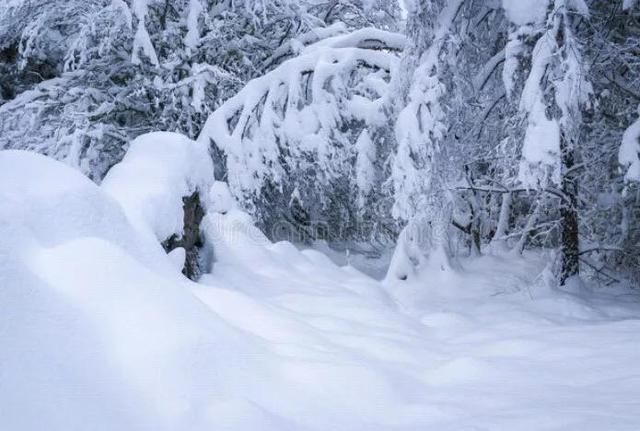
<point>570,244</point>
<point>191,239</point>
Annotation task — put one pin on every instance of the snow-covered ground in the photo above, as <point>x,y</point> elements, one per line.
<point>100,331</point>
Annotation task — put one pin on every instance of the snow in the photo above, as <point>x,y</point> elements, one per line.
<point>193,33</point>
<point>629,153</point>
<point>62,235</point>
<point>364,169</point>
<point>522,12</point>
<point>365,38</point>
<point>141,40</point>
<point>220,199</point>
<point>48,203</point>
<point>541,150</point>
<point>99,330</point>
<point>628,4</point>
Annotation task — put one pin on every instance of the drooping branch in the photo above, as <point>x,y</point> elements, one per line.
<point>301,106</point>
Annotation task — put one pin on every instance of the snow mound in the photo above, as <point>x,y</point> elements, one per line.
<point>94,319</point>
<point>46,203</point>
<point>158,170</point>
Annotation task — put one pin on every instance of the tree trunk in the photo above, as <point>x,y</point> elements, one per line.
<point>191,239</point>
<point>531,221</point>
<point>570,244</point>
<point>503,222</point>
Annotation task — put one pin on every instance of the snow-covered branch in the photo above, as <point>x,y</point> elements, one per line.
<point>293,117</point>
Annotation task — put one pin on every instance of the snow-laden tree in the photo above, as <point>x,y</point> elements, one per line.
<point>80,116</point>
<point>610,228</point>
<point>382,14</point>
<point>34,38</point>
<point>555,94</point>
<point>556,82</point>
<point>450,128</point>
<point>302,134</point>
<point>124,67</point>
<point>591,58</point>
<point>520,125</point>
<point>503,125</point>
<point>420,169</point>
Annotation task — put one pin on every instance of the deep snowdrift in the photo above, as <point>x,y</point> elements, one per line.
<point>100,331</point>
<point>97,327</point>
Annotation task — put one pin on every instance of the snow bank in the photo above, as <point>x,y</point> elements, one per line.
<point>99,331</point>
<point>158,170</point>
<point>46,203</point>
<point>94,320</point>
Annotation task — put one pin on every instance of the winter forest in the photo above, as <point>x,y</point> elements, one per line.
<point>311,215</point>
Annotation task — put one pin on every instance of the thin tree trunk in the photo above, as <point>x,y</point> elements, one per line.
<point>570,244</point>
<point>533,218</point>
